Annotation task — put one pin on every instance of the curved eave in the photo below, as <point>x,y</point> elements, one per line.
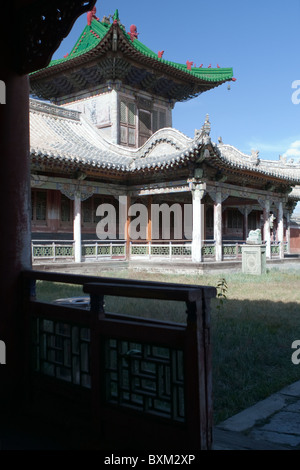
<point>181,159</point>
<point>220,161</point>
<point>205,78</point>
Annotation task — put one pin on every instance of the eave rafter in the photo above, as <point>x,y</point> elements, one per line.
<point>118,58</point>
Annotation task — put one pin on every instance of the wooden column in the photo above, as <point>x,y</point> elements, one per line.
<point>77,227</point>
<point>280,230</point>
<point>267,232</point>
<point>218,225</point>
<point>197,240</point>
<point>15,234</point>
<point>245,225</point>
<point>115,117</point>
<point>288,231</point>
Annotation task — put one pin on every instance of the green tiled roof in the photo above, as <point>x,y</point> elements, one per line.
<point>92,35</point>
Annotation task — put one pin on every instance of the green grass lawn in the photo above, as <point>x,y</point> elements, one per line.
<point>252,331</point>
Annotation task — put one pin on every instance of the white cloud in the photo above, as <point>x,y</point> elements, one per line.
<point>295,144</point>
<point>293,150</point>
<point>265,147</point>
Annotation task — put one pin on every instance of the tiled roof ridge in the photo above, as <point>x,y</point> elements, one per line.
<point>234,157</point>
<point>100,30</point>
<point>86,145</point>
<point>54,110</point>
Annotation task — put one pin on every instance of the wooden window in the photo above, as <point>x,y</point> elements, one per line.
<point>127,123</point>
<point>66,209</point>
<point>234,219</point>
<point>145,129</point>
<point>87,211</point>
<point>209,217</point>
<point>159,120</point>
<point>252,220</point>
<point>89,208</point>
<point>39,206</point>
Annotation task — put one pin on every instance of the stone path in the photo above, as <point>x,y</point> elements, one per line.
<point>273,423</point>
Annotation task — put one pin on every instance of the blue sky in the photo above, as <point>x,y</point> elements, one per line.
<point>258,39</point>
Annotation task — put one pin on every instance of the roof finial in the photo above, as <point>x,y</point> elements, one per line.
<point>116,15</point>
<point>91,15</point>
<point>133,32</point>
<point>206,126</point>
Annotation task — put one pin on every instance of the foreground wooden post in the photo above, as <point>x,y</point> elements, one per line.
<point>15,248</point>
<point>199,354</point>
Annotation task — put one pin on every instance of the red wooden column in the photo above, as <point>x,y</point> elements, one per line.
<point>149,223</point>
<point>15,233</point>
<point>39,27</point>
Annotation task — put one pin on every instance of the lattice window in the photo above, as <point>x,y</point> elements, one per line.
<point>97,201</point>
<point>131,114</point>
<point>127,120</point>
<point>87,211</point>
<point>145,377</point>
<point>62,351</point>
<point>234,219</point>
<point>252,221</point>
<point>123,112</point>
<point>159,120</point>
<point>39,206</point>
<point>145,122</point>
<point>89,208</point>
<point>66,209</point>
<point>145,129</point>
<point>209,217</point>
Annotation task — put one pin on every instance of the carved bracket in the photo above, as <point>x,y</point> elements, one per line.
<point>217,195</point>
<point>71,190</point>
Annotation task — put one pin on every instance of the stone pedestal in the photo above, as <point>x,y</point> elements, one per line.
<point>253,259</point>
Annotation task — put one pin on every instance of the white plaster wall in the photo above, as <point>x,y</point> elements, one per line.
<point>101,110</point>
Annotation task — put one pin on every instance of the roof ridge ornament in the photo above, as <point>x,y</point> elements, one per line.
<point>254,157</point>
<point>204,132</point>
<point>133,32</point>
<point>91,15</point>
<point>206,126</point>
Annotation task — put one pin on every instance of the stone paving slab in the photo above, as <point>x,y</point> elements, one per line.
<point>276,438</point>
<point>246,419</point>
<point>275,419</point>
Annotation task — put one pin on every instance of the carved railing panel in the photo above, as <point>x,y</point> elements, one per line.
<point>137,379</point>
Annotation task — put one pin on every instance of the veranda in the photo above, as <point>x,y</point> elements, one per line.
<point>218,226</point>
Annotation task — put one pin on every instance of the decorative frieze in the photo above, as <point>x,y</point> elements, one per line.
<point>71,191</point>
<point>52,109</point>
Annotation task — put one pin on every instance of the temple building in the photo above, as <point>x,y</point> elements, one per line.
<point>101,137</point>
